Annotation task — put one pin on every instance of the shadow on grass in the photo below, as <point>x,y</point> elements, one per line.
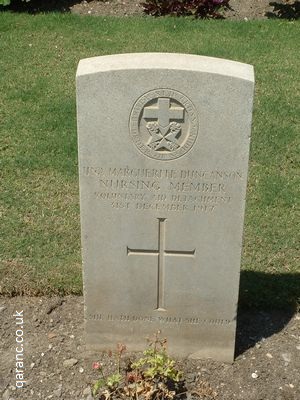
<point>40,6</point>
<point>284,10</point>
<point>263,291</point>
<point>267,303</point>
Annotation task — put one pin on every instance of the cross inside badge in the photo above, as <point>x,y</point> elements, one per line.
<point>163,113</point>
<point>164,133</point>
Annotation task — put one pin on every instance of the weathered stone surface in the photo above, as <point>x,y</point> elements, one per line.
<point>163,159</point>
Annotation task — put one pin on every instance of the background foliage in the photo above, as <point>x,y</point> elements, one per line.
<point>197,8</point>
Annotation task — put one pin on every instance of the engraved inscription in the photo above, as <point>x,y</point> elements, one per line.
<point>161,252</point>
<point>174,320</point>
<point>162,173</point>
<point>163,124</point>
<point>176,191</point>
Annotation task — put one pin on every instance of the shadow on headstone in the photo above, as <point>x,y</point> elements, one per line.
<point>289,11</point>
<point>267,303</point>
<point>39,6</point>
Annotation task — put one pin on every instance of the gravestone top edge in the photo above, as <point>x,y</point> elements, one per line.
<point>167,61</point>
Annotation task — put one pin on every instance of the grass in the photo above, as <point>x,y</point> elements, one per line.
<point>40,243</point>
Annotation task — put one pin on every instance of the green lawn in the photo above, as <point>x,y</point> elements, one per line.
<point>40,231</point>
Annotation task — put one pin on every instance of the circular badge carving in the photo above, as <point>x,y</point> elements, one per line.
<point>163,124</point>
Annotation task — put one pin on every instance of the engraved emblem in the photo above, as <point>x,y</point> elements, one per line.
<point>163,124</point>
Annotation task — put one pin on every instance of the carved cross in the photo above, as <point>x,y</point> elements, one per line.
<point>161,253</point>
<point>163,113</point>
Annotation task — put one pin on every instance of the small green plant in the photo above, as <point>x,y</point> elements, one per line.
<point>153,376</point>
<point>108,384</point>
<point>156,364</point>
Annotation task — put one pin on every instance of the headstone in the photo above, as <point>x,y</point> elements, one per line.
<point>163,159</point>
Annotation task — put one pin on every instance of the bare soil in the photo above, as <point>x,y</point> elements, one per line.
<point>57,366</point>
<point>240,9</point>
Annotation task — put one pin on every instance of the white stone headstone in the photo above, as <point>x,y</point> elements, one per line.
<point>163,158</point>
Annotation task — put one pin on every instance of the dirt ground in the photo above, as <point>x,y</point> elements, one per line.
<point>56,365</point>
<point>241,9</point>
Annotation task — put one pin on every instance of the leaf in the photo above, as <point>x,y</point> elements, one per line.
<point>113,380</point>
<point>4,2</point>
<point>98,385</point>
